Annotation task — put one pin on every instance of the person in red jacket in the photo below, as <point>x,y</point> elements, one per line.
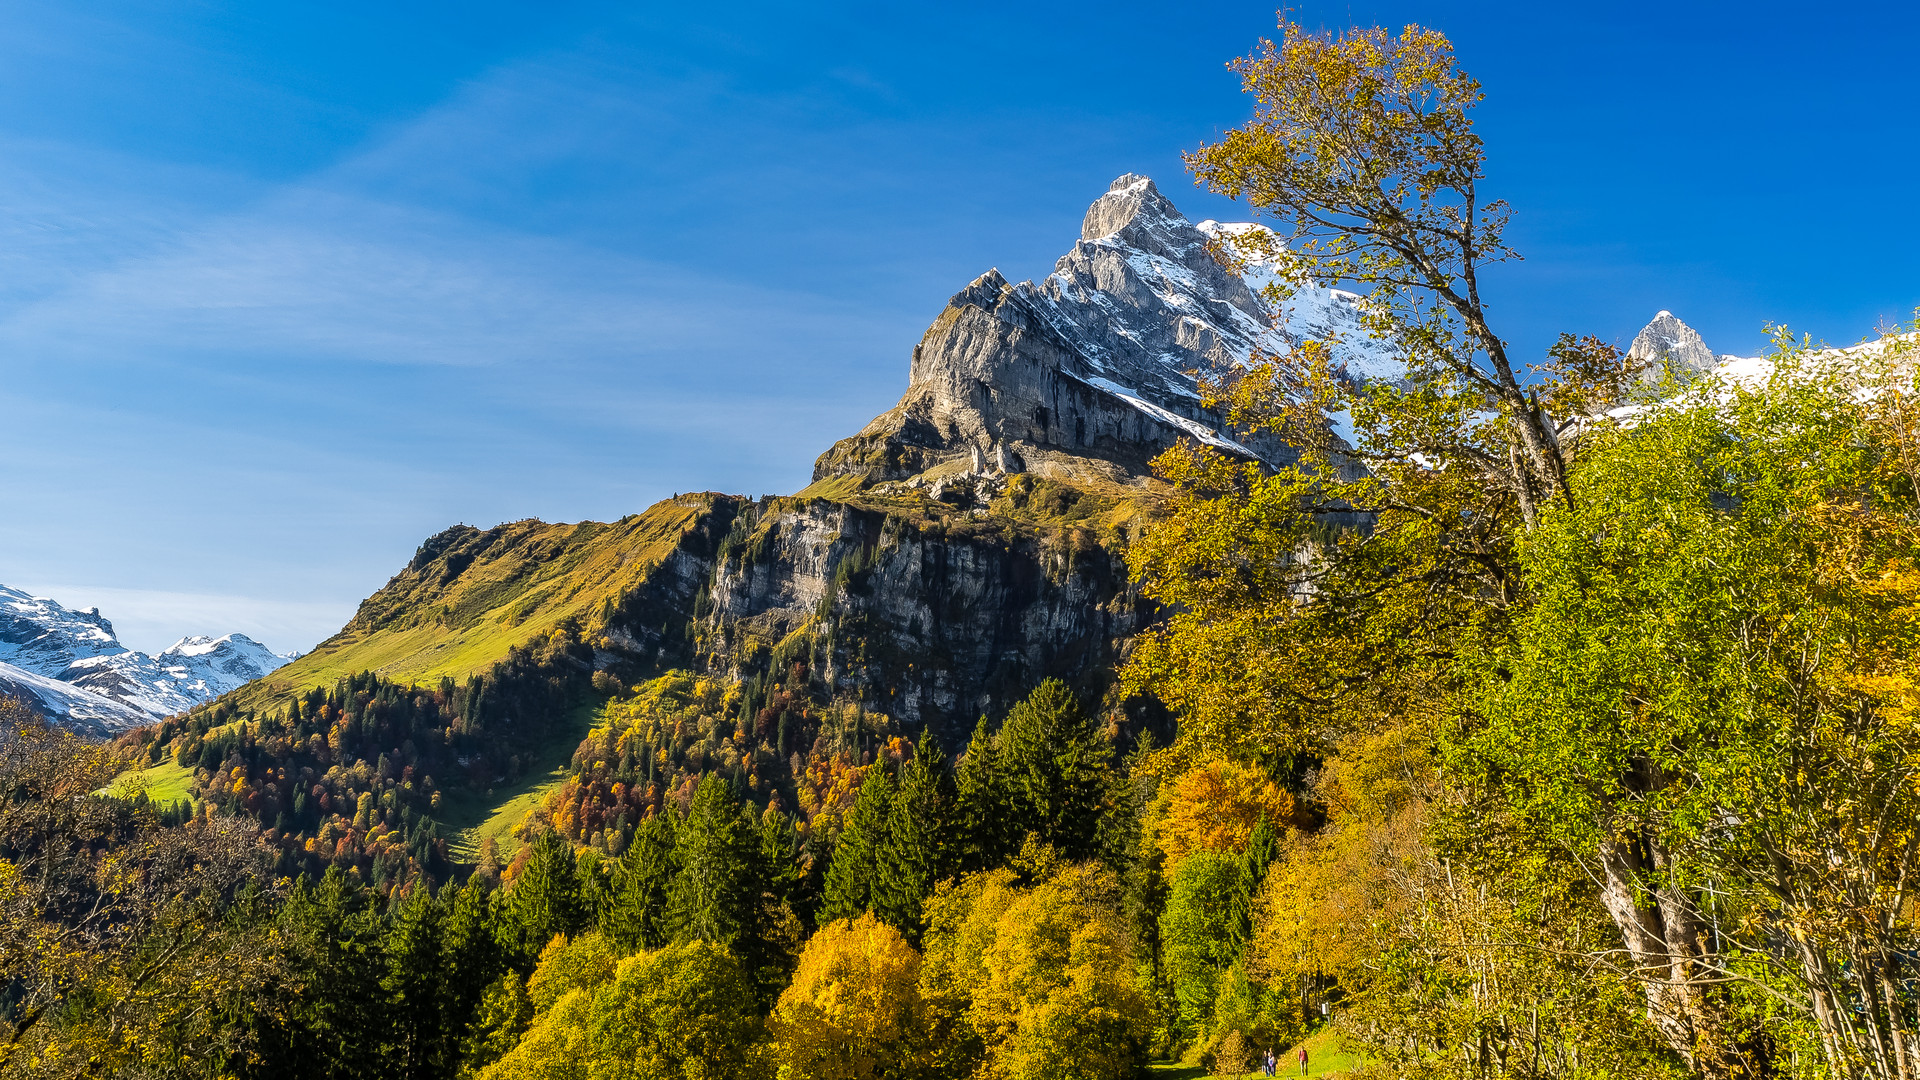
<point>1303,1059</point>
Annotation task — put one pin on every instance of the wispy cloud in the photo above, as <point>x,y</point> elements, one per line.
<point>221,408</point>
<point>317,276</point>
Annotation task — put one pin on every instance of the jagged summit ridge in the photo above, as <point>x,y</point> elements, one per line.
<point>40,635</point>
<point>1144,301</point>
<point>1092,370</point>
<point>1131,202</point>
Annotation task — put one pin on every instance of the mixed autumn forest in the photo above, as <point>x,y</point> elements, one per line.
<point>1549,717</point>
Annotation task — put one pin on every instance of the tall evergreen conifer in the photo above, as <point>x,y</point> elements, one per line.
<point>1055,762</point>
<point>981,827</point>
<point>1262,848</point>
<point>416,987</point>
<point>333,944</point>
<point>911,854</point>
<point>545,898</point>
<point>637,918</point>
<point>849,886</point>
<point>779,848</point>
<point>715,894</point>
<point>471,957</point>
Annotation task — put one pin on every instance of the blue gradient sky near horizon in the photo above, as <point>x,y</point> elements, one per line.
<point>284,289</point>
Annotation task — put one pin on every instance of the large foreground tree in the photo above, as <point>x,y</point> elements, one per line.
<point>1362,147</point>
<point>1370,594</point>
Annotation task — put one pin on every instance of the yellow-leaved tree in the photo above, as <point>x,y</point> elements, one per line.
<point>118,942</point>
<point>853,1010</point>
<point>1215,806</point>
<point>1031,981</point>
<point>685,1012</point>
<point>1334,616</point>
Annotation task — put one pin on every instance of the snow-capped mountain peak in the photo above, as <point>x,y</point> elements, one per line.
<point>212,666</point>
<point>1101,360</point>
<point>1668,341</point>
<point>42,640</point>
<point>38,634</point>
<point>1145,299</point>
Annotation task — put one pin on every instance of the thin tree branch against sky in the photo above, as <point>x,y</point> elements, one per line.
<point>286,288</point>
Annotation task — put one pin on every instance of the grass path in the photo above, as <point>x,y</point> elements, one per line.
<point>164,782</point>
<point>469,819</point>
<point>1325,1057</point>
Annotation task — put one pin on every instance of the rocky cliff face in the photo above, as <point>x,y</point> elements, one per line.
<point>962,547</point>
<point>1079,380</point>
<point>931,620</point>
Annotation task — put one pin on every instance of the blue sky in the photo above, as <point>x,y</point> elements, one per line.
<point>285,288</point>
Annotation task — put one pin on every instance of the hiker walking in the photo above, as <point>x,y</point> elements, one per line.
<point>1303,1059</point>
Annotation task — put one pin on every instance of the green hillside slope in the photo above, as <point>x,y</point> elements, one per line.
<point>470,595</point>
<point>457,698</point>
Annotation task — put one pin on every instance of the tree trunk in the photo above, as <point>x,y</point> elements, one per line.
<point>1667,940</point>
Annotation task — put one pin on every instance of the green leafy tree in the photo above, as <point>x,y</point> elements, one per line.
<point>1709,707</point>
<point>685,1011</point>
<point>583,963</point>
<point>1322,599</point>
<point>1198,935</point>
<point>1347,602</point>
<point>850,876</point>
<point>125,937</point>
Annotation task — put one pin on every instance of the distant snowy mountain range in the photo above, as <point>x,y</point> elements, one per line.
<point>71,667</point>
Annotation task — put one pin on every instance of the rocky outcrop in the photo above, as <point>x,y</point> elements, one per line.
<point>923,612</point>
<point>1082,377</point>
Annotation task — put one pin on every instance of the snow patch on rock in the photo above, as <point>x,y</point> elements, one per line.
<point>70,706</point>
